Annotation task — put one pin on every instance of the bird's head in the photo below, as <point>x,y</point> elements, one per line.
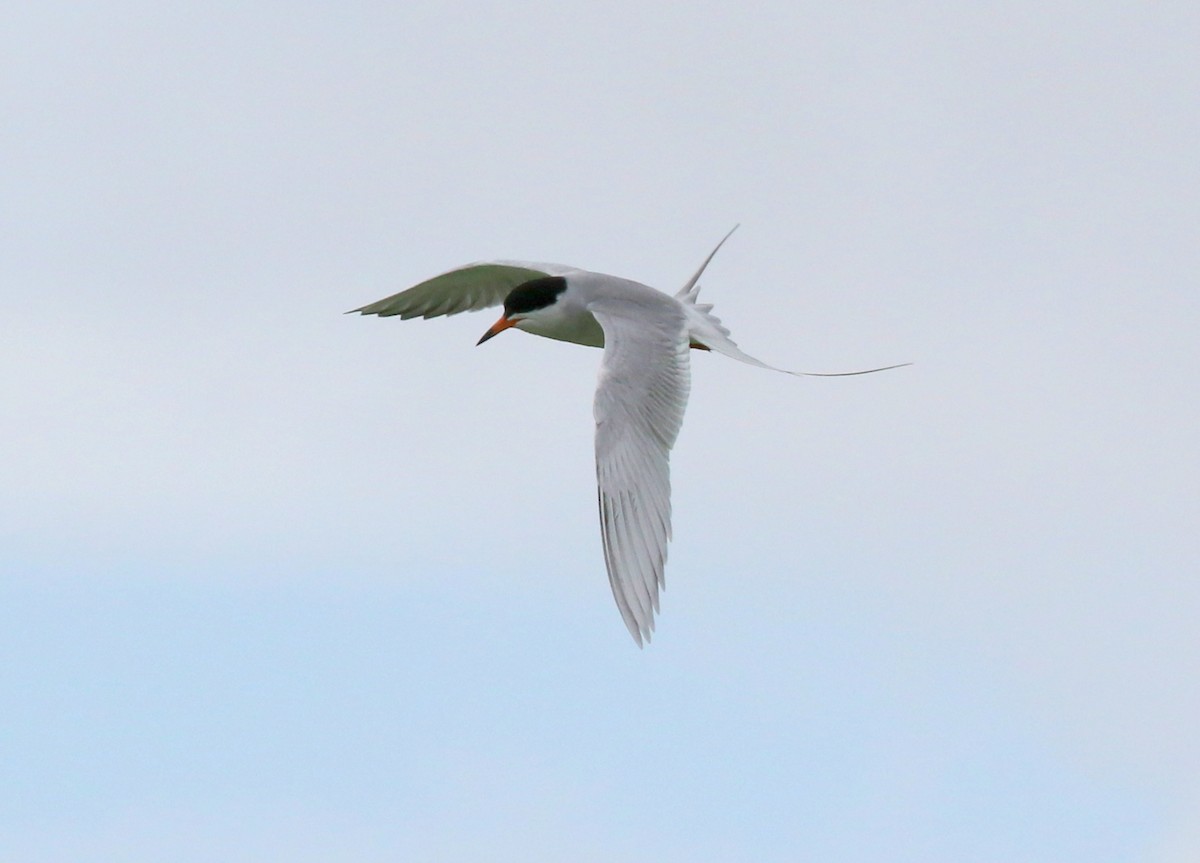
<point>527,302</point>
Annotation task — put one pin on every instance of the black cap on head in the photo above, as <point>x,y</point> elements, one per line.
<point>533,295</point>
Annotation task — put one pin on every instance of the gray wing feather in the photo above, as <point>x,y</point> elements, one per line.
<point>466,289</point>
<point>643,390</point>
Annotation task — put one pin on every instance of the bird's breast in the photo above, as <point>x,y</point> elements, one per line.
<point>578,326</point>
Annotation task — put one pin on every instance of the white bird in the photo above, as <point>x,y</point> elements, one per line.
<point>640,398</point>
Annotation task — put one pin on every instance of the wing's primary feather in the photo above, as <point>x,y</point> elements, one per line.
<point>466,289</point>
<point>640,400</point>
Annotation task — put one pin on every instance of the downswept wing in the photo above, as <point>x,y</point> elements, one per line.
<point>642,393</point>
<point>466,289</point>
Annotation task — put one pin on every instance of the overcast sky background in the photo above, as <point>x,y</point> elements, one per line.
<point>279,583</point>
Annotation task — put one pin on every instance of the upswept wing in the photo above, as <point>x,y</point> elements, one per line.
<point>466,289</point>
<point>642,393</point>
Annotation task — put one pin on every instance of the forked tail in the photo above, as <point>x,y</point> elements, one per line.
<point>706,330</point>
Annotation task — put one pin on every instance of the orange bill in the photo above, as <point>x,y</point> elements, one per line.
<point>497,328</point>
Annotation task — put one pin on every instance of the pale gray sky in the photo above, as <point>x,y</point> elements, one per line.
<point>283,583</point>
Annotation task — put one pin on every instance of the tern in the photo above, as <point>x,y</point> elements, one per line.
<point>640,397</point>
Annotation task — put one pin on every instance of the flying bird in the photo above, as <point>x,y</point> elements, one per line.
<point>640,397</point>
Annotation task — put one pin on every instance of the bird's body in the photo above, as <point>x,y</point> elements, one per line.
<point>640,396</point>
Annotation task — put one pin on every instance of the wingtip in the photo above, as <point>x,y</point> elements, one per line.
<point>643,634</point>
<point>635,631</point>
<point>640,633</point>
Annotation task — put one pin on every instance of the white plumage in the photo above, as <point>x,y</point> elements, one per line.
<point>640,397</point>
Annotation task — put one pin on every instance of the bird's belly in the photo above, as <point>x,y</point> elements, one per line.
<point>580,329</point>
